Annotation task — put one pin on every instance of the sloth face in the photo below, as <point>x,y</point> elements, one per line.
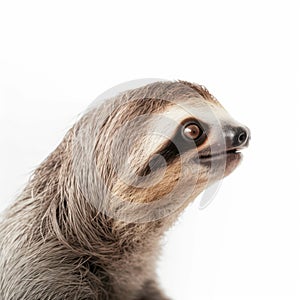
<point>165,142</point>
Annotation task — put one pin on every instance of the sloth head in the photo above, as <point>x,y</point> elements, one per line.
<point>149,151</point>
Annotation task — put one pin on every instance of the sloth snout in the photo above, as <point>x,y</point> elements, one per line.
<point>236,137</point>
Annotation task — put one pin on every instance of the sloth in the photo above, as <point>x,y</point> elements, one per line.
<point>88,224</point>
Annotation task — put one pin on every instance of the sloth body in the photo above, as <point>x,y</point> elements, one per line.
<point>88,224</point>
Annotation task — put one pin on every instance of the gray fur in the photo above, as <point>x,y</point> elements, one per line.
<point>55,240</point>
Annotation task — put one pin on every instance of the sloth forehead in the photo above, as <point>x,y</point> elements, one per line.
<point>159,96</point>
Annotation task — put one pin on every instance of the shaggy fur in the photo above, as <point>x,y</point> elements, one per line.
<point>66,236</point>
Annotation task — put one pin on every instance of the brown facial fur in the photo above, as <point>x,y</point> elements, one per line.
<point>58,242</point>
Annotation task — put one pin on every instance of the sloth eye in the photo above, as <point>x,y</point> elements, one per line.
<point>192,131</point>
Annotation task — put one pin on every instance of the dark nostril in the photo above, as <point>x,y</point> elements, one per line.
<point>242,137</point>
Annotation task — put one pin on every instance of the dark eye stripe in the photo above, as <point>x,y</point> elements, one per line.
<point>172,149</point>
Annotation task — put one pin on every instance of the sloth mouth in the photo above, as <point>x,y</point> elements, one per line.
<point>228,156</point>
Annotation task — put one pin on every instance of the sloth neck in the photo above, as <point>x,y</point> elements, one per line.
<point>56,206</point>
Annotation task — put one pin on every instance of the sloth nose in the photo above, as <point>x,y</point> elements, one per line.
<point>241,137</point>
<point>236,136</point>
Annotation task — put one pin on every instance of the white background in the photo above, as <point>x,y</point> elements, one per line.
<point>56,57</point>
